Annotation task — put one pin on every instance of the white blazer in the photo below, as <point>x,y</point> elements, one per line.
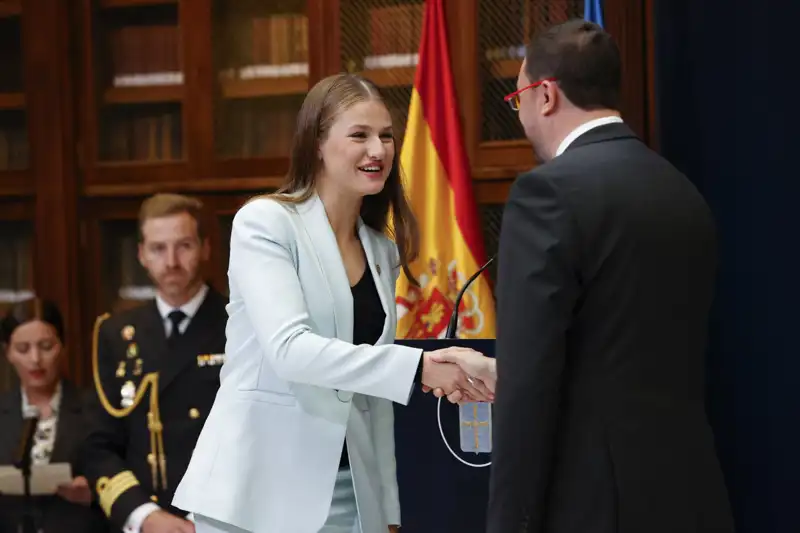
<point>293,386</point>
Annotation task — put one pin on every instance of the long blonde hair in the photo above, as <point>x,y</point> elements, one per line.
<point>324,102</point>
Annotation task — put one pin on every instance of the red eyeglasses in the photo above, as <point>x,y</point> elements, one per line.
<point>513,98</point>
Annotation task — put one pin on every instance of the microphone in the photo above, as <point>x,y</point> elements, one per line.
<point>22,457</point>
<point>453,324</point>
<point>22,460</point>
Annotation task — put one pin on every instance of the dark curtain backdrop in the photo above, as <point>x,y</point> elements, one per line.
<point>727,102</point>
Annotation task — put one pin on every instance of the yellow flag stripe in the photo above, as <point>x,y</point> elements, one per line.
<point>445,260</point>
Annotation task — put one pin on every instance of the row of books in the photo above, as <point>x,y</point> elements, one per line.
<point>13,149</point>
<point>280,40</point>
<point>257,128</point>
<point>150,55</point>
<point>395,29</point>
<point>16,268</point>
<point>156,137</point>
<point>518,21</point>
<point>146,55</point>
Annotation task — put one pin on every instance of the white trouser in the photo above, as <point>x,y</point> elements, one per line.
<point>342,517</point>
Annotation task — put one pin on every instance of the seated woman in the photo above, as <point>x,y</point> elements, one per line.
<point>31,337</point>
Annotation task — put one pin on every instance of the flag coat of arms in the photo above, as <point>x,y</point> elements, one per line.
<point>438,183</point>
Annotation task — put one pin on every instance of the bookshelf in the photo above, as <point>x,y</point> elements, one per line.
<point>16,265</point>
<point>202,95</point>
<point>380,40</point>
<point>261,65</point>
<point>14,144</point>
<point>135,91</point>
<point>502,34</point>
<point>261,59</point>
<point>16,271</point>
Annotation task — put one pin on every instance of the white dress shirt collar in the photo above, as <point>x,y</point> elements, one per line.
<point>31,411</point>
<point>189,308</point>
<point>583,128</point>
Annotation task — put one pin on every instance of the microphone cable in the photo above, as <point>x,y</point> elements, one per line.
<point>444,439</point>
<point>450,334</point>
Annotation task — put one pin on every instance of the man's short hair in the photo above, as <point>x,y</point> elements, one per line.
<point>584,60</point>
<point>168,204</point>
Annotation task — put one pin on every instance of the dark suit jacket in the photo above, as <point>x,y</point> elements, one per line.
<point>606,270</point>
<point>132,344</point>
<point>55,514</point>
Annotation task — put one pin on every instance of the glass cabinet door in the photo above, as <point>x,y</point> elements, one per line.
<point>16,278</point>
<point>138,80</point>
<point>504,28</point>
<point>380,40</point>
<point>13,120</point>
<point>125,283</point>
<point>261,58</point>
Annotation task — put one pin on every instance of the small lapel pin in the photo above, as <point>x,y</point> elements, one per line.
<point>378,268</point>
<point>128,332</point>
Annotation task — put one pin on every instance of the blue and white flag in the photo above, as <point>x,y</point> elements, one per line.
<point>593,11</point>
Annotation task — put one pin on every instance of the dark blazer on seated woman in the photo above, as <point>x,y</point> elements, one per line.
<point>55,514</point>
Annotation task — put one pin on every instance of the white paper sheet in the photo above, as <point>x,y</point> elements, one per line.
<point>45,479</point>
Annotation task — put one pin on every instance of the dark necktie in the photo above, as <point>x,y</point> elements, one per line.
<point>176,317</point>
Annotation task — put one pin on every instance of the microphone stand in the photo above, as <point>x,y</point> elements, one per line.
<point>23,462</point>
<point>450,333</point>
<point>452,326</point>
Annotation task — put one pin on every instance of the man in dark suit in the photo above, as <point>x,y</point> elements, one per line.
<point>606,267</point>
<point>157,374</point>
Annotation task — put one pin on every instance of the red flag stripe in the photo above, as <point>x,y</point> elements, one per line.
<point>434,84</point>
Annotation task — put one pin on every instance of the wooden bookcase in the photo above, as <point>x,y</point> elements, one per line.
<point>200,96</point>
<point>14,142</point>
<point>16,264</point>
<point>39,237</point>
<point>16,211</point>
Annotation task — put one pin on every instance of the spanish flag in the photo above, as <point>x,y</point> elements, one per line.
<point>439,187</point>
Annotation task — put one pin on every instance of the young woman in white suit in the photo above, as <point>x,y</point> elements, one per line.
<point>301,435</point>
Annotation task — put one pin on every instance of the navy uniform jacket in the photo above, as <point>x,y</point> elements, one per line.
<point>125,453</point>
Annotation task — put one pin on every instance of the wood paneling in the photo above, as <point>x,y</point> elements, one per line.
<point>49,89</point>
<point>625,21</point>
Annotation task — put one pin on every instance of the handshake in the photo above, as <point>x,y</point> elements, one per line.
<point>461,374</point>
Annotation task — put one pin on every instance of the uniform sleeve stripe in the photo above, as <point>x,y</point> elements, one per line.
<point>109,491</point>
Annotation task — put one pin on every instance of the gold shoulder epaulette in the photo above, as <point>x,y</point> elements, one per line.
<point>109,490</point>
<point>157,458</point>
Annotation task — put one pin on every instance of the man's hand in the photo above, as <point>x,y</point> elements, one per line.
<point>473,364</point>
<point>394,529</point>
<point>164,522</point>
<point>439,372</point>
<point>76,492</point>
